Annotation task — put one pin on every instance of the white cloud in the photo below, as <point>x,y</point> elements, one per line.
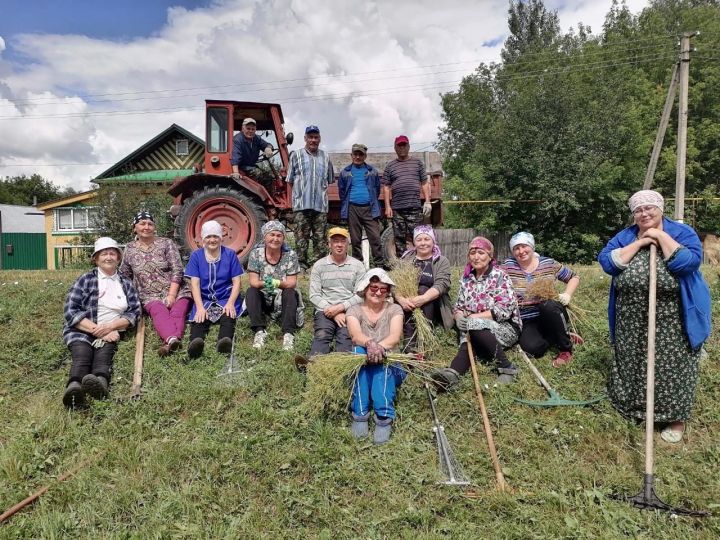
<point>368,56</point>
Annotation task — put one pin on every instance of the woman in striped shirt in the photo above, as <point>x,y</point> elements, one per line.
<point>545,322</point>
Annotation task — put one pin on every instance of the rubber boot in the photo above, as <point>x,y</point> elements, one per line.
<point>359,426</point>
<point>507,375</point>
<point>445,379</point>
<point>196,347</point>
<point>74,397</point>
<point>95,386</point>
<point>383,429</point>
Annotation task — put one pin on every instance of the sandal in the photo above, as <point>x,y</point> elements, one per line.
<point>672,436</point>
<point>562,359</point>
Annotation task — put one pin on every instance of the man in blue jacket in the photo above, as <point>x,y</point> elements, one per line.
<point>359,188</point>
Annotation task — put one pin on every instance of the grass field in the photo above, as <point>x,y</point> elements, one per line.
<point>203,457</point>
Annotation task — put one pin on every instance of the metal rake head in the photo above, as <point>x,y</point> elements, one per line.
<point>556,400</point>
<point>647,499</point>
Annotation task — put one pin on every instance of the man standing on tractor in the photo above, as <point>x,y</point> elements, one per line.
<point>246,147</point>
<point>402,181</point>
<point>310,172</point>
<point>359,189</point>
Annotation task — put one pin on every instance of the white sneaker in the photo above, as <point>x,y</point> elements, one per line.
<point>288,342</point>
<point>259,341</point>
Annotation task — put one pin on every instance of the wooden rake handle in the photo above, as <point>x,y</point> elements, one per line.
<point>139,352</point>
<point>499,477</point>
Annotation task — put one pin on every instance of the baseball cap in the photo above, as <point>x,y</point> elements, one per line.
<point>312,129</point>
<point>249,121</point>
<point>359,147</point>
<point>402,139</point>
<point>338,231</point>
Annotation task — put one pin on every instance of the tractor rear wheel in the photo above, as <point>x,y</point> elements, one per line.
<point>240,216</point>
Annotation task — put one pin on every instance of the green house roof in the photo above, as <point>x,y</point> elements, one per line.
<point>167,175</point>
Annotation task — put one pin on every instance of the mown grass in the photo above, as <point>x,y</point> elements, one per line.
<point>203,457</point>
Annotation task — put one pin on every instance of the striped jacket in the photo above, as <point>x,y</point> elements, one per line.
<point>310,176</point>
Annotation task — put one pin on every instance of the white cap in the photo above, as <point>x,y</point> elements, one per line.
<point>211,228</point>
<point>249,121</point>
<point>105,242</point>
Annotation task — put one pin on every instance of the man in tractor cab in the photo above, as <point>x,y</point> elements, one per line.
<point>246,149</point>
<point>403,180</point>
<point>310,172</point>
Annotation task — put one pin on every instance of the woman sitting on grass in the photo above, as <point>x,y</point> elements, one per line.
<point>214,273</point>
<point>486,313</point>
<point>433,297</point>
<point>545,321</point>
<point>154,265</point>
<point>272,269</point>
<point>100,305</point>
<point>375,327</point>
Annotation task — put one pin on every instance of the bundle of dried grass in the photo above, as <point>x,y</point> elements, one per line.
<point>406,277</point>
<point>331,377</point>
<point>544,289</point>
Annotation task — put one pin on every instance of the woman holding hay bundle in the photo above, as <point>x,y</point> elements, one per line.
<point>375,327</point>
<point>486,312</point>
<point>154,265</point>
<point>99,306</point>
<point>545,319</point>
<point>682,312</point>
<point>432,298</point>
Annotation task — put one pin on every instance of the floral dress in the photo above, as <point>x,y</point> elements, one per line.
<point>492,292</point>
<point>676,364</point>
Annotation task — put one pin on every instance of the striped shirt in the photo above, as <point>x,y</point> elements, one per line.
<point>404,178</point>
<point>332,283</point>
<point>310,175</point>
<point>547,269</point>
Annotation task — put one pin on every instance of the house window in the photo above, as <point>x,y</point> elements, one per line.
<point>182,147</point>
<point>76,219</point>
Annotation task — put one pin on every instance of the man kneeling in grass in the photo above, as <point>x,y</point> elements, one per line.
<point>332,292</point>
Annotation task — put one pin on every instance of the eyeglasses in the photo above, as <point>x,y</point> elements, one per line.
<point>376,289</point>
<point>645,210</point>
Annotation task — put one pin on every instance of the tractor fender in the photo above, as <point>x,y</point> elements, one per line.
<point>186,186</point>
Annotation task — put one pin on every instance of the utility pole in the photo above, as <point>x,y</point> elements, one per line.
<point>660,136</point>
<point>684,76</point>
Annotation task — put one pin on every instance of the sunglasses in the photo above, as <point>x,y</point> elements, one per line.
<point>377,289</point>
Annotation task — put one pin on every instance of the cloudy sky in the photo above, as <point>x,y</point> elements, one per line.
<point>84,83</point>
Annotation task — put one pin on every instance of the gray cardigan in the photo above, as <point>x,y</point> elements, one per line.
<point>441,281</point>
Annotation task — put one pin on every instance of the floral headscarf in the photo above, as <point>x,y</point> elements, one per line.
<point>646,197</point>
<point>428,230</point>
<point>482,243</point>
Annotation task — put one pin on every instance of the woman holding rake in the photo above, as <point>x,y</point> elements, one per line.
<point>683,314</point>
<point>486,312</point>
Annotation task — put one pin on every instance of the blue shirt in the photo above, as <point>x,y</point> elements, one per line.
<point>359,193</point>
<point>215,278</point>
<point>245,152</point>
<point>372,181</point>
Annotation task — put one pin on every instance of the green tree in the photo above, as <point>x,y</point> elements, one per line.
<point>23,190</point>
<point>566,123</point>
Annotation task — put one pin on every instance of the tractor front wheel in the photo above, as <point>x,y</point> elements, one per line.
<point>240,216</point>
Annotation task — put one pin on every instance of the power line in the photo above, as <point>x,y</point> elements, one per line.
<point>605,48</point>
<point>369,93</point>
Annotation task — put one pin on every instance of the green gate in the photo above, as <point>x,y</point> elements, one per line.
<point>23,251</point>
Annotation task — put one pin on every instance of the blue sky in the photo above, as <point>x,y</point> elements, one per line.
<point>121,19</point>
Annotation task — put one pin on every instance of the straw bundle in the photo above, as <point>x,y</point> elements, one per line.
<point>406,277</point>
<point>331,377</point>
<point>544,289</point>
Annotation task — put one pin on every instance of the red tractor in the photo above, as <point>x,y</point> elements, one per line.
<point>243,206</point>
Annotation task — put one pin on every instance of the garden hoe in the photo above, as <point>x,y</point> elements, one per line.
<point>555,400</point>
<point>448,464</point>
<point>647,499</point>
<point>499,477</point>
<point>136,389</point>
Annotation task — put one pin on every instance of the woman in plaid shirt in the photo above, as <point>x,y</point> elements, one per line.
<point>100,305</point>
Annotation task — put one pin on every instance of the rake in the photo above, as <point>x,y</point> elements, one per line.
<point>231,366</point>
<point>448,464</point>
<point>555,400</point>
<point>647,499</point>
